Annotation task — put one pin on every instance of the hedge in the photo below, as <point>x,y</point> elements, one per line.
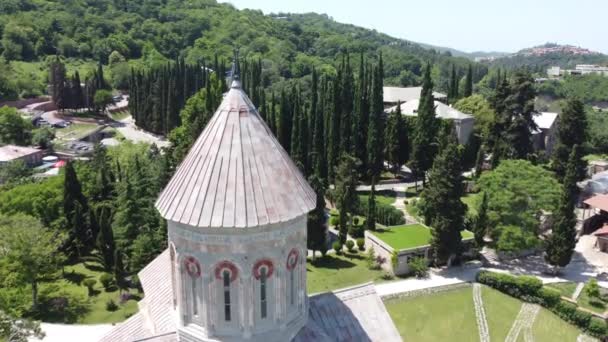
<point>530,289</point>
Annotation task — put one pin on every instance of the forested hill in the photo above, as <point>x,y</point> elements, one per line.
<point>150,32</point>
<point>539,58</point>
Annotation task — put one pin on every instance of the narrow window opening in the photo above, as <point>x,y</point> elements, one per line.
<point>226,276</point>
<point>263,292</point>
<point>291,287</point>
<point>194,297</point>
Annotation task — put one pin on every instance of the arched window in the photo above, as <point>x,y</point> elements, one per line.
<point>292,263</point>
<point>192,289</point>
<point>263,304</point>
<point>227,309</point>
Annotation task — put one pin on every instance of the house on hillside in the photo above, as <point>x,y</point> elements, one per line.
<point>393,95</point>
<point>545,137</point>
<point>463,123</point>
<point>30,155</point>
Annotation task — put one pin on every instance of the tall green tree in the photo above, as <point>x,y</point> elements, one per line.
<point>397,149</point>
<point>480,226</point>
<point>316,226</point>
<point>571,130</point>
<point>105,238</point>
<point>442,209</point>
<point>361,114</point>
<point>75,210</point>
<point>345,193</point>
<point>375,136</point>
<point>468,82</point>
<point>560,245</point>
<point>29,251</point>
<point>520,106</point>
<point>426,128</point>
<point>347,106</point>
<point>453,86</point>
<point>370,219</point>
<point>13,128</point>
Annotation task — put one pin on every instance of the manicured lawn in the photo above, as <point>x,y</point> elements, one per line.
<point>592,157</point>
<point>74,131</point>
<point>501,311</point>
<point>384,197</point>
<point>565,289</point>
<point>445,316</point>
<point>338,271</point>
<point>409,236</point>
<point>471,200</point>
<point>550,328</point>
<point>96,312</point>
<point>120,115</point>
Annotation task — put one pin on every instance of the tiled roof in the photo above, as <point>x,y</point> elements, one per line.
<point>598,201</point>
<point>353,314</point>
<point>12,152</point>
<point>602,231</point>
<point>236,174</point>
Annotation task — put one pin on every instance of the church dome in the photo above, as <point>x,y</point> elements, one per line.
<point>236,174</point>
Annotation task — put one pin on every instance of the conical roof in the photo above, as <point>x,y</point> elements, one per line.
<point>236,174</point>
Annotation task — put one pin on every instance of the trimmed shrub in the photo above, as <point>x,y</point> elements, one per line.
<point>592,289</point>
<point>350,245</point>
<point>361,244</point>
<point>356,220</point>
<point>111,305</point>
<point>394,260</point>
<point>106,280</point>
<point>549,297</point>
<point>334,220</point>
<point>419,267</point>
<point>597,327</point>
<point>90,284</point>
<point>387,276</point>
<point>370,259</point>
<point>337,246</point>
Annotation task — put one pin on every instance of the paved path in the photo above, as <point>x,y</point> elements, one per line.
<point>480,314</point>
<point>578,290</point>
<point>127,128</point>
<point>436,278</point>
<point>524,321</point>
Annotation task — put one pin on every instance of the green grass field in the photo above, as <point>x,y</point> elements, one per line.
<point>565,289</point>
<point>445,316</point>
<point>338,271</point>
<point>409,236</point>
<point>96,312</point>
<point>585,301</point>
<point>472,202</point>
<point>383,197</point>
<point>74,131</point>
<point>450,316</point>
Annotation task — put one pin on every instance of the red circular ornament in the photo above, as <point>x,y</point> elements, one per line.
<point>192,266</point>
<point>257,267</point>
<point>226,265</point>
<point>292,259</point>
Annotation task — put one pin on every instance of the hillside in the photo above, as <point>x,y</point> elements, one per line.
<point>543,56</point>
<point>149,32</point>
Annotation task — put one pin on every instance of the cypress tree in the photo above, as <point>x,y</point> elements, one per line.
<point>396,140</point>
<point>345,193</point>
<point>370,222</point>
<point>119,270</point>
<point>74,205</point>
<point>296,151</point>
<point>520,106</point>
<point>77,91</point>
<point>285,121</point>
<point>361,115</point>
<point>425,129</point>
<point>375,138</point>
<point>58,84</point>
<point>443,210</point>
<point>453,88</point>
<point>480,226</point>
<point>333,139</point>
<point>346,108</point>
<point>560,245</point>
<point>571,131</point>
<point>479,161</point>
<point>468,84</point>
<point>105,239</point>
<point>316,219</point>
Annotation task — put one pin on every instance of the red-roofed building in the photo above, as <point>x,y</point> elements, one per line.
<point>602,238</point>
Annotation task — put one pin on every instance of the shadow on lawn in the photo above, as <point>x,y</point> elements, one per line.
<point>332,262</point>
<point>75,277</point>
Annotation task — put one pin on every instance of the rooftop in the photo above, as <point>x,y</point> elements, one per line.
<point>602,231</point>
<point>11,152</point>
<point>396,94</point>
<point>442,110</point>
<point>236,174</point>
<point>545,120</point>
<point>598,201</point>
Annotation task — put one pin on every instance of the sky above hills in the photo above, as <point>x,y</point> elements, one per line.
<point>467,25</point>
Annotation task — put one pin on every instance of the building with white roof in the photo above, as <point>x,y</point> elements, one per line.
<point>393,95</point>
<point>235,269</point>
<point>545,137</point>
<point>463,123</point>
<point>30,155</point>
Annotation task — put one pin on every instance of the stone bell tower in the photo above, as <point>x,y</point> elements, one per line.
<point>236,211</point>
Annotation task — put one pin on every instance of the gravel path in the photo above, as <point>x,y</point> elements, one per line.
<point>524,321</point>
<point>480,314</point>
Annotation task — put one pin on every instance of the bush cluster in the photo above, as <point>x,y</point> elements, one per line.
<point>531,289</point>
<point>419,267</point>
<point>350,245</point>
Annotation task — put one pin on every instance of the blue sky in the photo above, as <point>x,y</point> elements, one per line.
<point>468,25</point>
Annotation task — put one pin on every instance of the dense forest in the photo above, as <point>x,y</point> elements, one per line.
<point>131,34</point>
